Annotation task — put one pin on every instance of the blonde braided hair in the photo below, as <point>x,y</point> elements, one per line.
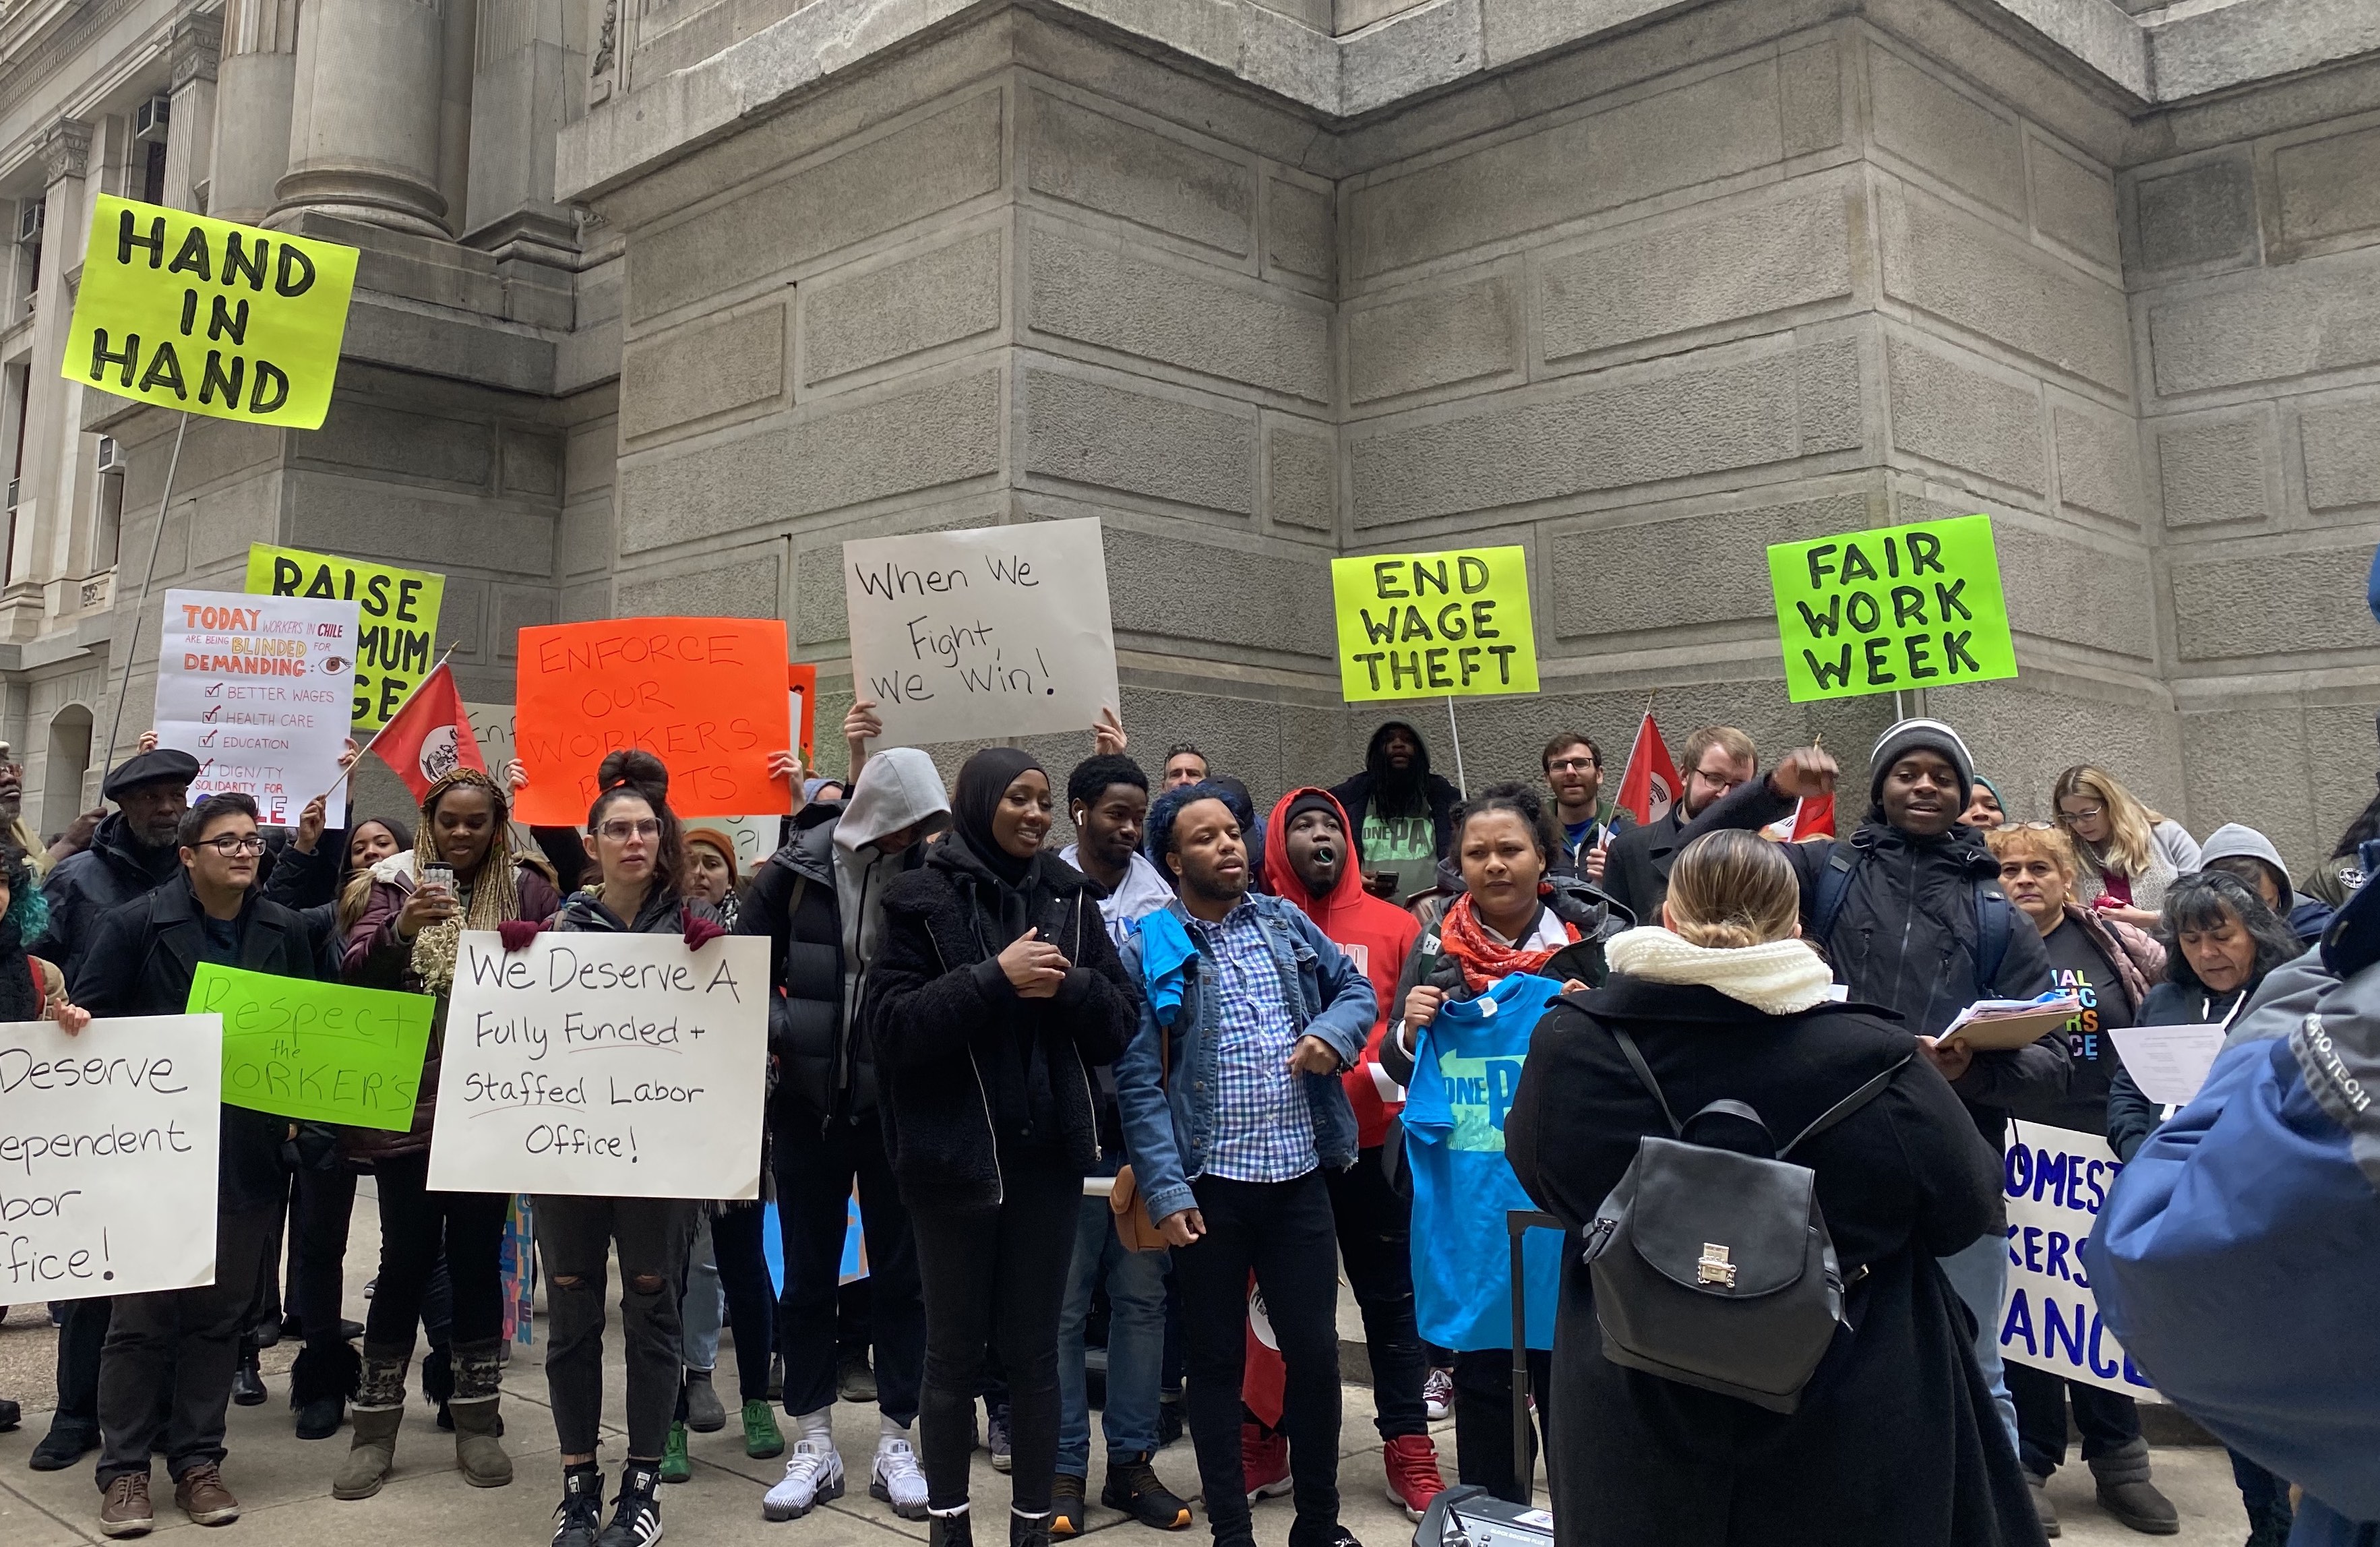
<point>495,895</point>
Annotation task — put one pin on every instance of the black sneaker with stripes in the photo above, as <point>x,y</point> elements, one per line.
<point>581,1514</point>
<point>637,1518</point>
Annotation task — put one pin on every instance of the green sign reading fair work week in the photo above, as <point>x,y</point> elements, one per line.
<point>1896,607</point>
<point>322,1053</point>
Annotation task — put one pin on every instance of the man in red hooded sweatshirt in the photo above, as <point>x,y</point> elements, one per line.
<point>1309,860</point>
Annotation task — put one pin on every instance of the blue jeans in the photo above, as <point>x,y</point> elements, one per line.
<point>700,1312</point>
<point>1980,1276</point>
<point>1136,1283</point>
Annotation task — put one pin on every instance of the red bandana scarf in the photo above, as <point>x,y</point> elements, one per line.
<point>1485,960</point>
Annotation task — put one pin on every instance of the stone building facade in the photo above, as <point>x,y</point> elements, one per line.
<point>664,300</point>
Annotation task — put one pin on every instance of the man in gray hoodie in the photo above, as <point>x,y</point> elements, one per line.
<point>2252,857</point>
<point>819,903</point>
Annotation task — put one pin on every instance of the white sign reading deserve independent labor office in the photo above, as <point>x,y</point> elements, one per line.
<point>107,1157</point>
<point>2057,1181</point>
<point>607,1066</point>
<point>258,689</point>
<point>983,634</point>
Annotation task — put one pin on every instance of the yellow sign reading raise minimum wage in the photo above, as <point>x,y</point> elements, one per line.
<point>1422,625</point>
<point>208,316</point>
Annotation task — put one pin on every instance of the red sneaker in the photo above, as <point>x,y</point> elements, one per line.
<point>1264,1462</point>
<point>1414,1480</point>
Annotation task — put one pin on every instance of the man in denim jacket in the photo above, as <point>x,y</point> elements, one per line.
<point>1231,1106</point>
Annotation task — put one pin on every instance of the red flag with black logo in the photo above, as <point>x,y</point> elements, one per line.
<point>1650,784</point>
<point>1813,817</point>
<point>430,737</point>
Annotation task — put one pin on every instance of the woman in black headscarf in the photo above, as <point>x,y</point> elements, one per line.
<point>995,993</point>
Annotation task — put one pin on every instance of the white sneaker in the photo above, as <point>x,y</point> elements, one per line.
<point>898,1480</point>
<point>813,1477</point>
<point>1437,1394</point>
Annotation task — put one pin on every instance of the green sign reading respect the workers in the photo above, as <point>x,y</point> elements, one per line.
<point>1892,608</point>
<point>322,1053</point>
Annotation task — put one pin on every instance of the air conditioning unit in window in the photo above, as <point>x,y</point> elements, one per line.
<point>29,215</point>
<point>111,455</point>
<point>149,118</point>
<point>12,494</point>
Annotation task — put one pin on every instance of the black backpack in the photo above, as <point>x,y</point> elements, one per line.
<point>1712,1268</point>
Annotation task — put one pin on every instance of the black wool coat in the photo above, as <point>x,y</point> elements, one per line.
<point>1896,1440</point>
<point>972,1078</point>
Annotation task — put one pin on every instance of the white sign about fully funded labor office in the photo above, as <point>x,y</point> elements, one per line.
<point>107,1157</point>
<point>610,1065</point>
<point>982,635</point>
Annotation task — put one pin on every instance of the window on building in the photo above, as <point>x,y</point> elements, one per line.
<point>152,174</point>
<point>107,516</point>
<point>29,215</point>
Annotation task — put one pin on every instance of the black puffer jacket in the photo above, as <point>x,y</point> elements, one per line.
<point>112,872</point>
<point>1905,938</point>
<point>974,1077</point>
<point>585,912</point>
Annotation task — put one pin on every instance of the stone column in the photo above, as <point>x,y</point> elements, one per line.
<point>525,91</point>
<point>189,139</point>
<point>256,78</point>
<point>364,119</point>
<point>52,403</point>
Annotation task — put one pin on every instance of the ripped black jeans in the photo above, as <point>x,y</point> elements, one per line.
<point>574,1239</point>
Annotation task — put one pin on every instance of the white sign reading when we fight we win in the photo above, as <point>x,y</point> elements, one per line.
<point>609,1065</point>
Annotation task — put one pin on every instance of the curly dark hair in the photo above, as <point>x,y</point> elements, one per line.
<point>1517,799</point>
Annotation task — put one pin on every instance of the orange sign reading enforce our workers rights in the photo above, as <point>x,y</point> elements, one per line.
<point>705,695</point>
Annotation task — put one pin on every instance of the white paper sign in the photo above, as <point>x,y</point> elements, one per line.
<point>2057,1181</point>
<point>610,1065</point>
<point>491,727</point>
<point>107,1157</point>
<point>257,688</point>
<point>984,635</point>
<point>2169,1063</point>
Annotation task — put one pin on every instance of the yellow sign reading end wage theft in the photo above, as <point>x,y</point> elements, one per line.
<point>209,316</point>
<point>1426,626</point>
<point>1894,607</point>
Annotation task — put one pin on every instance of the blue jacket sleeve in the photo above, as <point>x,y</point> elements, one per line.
<point>1148,1135</point>
<point>1350,1005</point>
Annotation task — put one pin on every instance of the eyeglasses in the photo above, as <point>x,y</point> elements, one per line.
<point>2088,814</point>
<point>1571,765</point>
<point>2032,826</point>
<point>622,831</point>
<point>229,846</point>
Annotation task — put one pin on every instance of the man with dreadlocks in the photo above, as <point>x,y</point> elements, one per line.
<point>1403,813</point>
<point>406,937</point>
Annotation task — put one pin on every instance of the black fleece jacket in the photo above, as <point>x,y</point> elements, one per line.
<point>971,1077</point>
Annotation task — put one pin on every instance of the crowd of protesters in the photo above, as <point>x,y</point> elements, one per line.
<point>1190,1054</point>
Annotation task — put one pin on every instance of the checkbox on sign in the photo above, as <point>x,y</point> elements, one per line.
<point>214,689</point>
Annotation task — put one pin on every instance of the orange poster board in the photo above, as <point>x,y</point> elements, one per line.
<point>705,695</point>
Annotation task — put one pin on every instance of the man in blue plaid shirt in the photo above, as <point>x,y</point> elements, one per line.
<point>1232,1106</point>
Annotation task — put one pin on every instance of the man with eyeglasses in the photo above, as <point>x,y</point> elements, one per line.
<point>166,1372</point>
<point>1573,767</point>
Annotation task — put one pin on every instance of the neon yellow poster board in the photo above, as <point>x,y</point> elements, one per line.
<point>1892,608</point>
<point>322,1053</point>
<point>1426,626</point>
<point>396,645</point>
<point>209,316</point>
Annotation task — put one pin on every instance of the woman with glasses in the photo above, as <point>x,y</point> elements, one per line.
<point>637,852</point>
<point>2129,853</point>
<point>414,907</point>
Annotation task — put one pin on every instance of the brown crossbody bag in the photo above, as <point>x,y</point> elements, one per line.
<point>1132,1225</point>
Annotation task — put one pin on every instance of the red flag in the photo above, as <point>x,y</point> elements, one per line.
<point>1650,783</point>
<point>1813,818</point>
<point>430,737</point>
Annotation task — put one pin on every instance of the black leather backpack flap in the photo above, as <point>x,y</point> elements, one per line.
<point>1722,1223</point>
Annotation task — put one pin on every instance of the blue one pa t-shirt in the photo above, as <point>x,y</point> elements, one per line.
<point>1467,1066</point>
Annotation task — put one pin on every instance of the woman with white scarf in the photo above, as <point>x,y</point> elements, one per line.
<point>1895,1440</point>
<point>461,874</point>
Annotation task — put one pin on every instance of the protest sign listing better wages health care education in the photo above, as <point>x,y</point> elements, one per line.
<point>256,689</point>
<point>205,315</point>
<point>321,1052</point>
<point>2056,1180</point>
<point>618,1065</point>
<point>705,695</point>
<point>982,635</point>
<point>107,1157</point>
<point>397,635</point>
<point>1452,624</point>
<point>1892,608</point>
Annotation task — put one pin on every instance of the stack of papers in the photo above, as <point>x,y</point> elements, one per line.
<point>1995,1025</point>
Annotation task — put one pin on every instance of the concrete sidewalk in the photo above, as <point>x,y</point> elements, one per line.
<point>285,1482</point>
